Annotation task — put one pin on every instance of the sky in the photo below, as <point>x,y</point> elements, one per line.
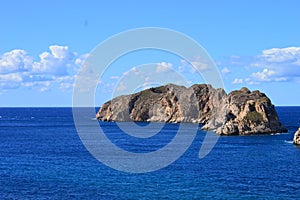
<point>43,45</point>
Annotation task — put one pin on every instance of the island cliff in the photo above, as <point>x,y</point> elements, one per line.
<point>240,112</point>
<point>296,139</point>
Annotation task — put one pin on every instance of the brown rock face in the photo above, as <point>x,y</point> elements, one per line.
<point>297,137</point>
<point>248,113</point>
<point>170,103</point>
<point>239,113</point>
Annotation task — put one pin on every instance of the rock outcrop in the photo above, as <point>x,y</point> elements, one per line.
<point>247,113</point>
<point>240,112</point>
<point>296,139</point>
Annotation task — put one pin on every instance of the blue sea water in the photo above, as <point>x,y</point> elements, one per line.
<point>42,157</point>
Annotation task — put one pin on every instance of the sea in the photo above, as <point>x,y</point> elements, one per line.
<point>43,157</point>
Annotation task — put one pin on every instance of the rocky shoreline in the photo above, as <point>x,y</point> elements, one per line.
<point>241,112</point>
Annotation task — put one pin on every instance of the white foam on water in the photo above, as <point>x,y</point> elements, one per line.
<point>275,134</point>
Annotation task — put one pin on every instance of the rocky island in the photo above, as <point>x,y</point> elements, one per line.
<point>296,139</point>
<point>240,112</point>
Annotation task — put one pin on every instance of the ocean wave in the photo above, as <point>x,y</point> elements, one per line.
<point>275,134</point>
<point>288,141</point>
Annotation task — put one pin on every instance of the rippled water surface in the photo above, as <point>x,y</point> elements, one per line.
<point>41,157</point>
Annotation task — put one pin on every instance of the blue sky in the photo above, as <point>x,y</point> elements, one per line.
<point>43,44</point>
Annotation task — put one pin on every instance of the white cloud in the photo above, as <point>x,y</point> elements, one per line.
<point>81,59</point>
<point>133,71</point>
<point>280,63</point>
<point>250,82</point>
<point>225,70</point>
<point>61,52</point>
<point>237,81</point>
<point>265,75</point>
<point>11,77</point>
<point>55,62</point>
<point>278,55</point>
<point>195,64</point>
<point>164,67</point>
<point>41,86</point>
<point>274,65</point>
<point>15,61</point>
<point>200,65</point>
<point>54,67</point>
<point>66,86</point>
<point>65,82</point>
<point>10,81</point>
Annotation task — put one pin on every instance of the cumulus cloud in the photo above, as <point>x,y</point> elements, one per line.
<point>55,66</point>
<point>15,61</point>
<point>272,65</point>
<point>81,59</point>
<point>277,64</point>
<point>164,67</point>
<point>225,70</point>
<point>237,81</point>
<point>65,82</point>
<point>10,81</point>
<point>264,75</point>
<point>279,55</point>
<point>250,82</point>
<point>54,62</point>
<point>41,86</point>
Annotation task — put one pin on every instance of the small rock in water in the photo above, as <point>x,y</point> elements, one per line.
<point>297,137</point>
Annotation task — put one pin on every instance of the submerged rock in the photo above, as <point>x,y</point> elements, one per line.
<point>241,112</point>
<point>296,139</point>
